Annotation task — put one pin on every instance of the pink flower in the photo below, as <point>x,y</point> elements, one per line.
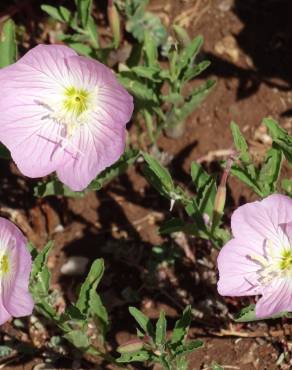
<point>62,112</point>
<point>259,258</point>
<point>15,267</point>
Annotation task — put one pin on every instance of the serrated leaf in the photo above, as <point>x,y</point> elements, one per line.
<point>150,73</point>
<point>242,147</point>
<point>78,339</point>
<point>60,14</point>
<point>182,326</point>
<point>192,101</point>
<point>286,185</point>
<point>270,171</point>
<point>8,48</point>
<point>118,168</point>
<point>142,320</point>
<point>40,275</point>
<point>243,176</point>
<point>137,88</point>
<point>89,302</point>
<point>189,347</point>
<point>55,187</point>
<point>84,11</point>
<point>189,53</point>
<point>195,71</point>
<point>139,356</point>
<point>280,137</point>
<point>92,31</point>
<point>160,332</point>
<point>80,48</point>
<point>171,226</point>
<point>150,49</point>
<point>158,176</point>
<point>206,188</point>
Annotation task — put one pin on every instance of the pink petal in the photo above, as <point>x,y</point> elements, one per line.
<point>49,61</point>
<point>254,223</point>
<point>276,298</point>
<point>99,149</point>
<point>278,208</point>
<point>32,139</point>
<point>4,315</point>
<point>16,299</point>
<point>237,272</point>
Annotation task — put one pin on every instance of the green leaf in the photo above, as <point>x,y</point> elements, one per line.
<point>89,302</point>
<point>160,333</point>
<point>195,71</point>
<point>92,31</point>
<point>78,339</point>
<point>55,187</point>
<point>242,147</point>
<point>270,171</point>
<point>181,326</point>
<point>150,73</point>
<point>189,53</point>
<point>80,48</point>
<point>216,366</point>
<point>142,320</point>
<point>189,347</point>
<point>139,356</point>
<point>248,314</point>
<point>206,188</point>
<point>40,275</point>
<point>286,185</point>
<point>137,88</point>
<point>134,345</point>
<point>61,13</point>
<point>243,176</point>
<point>84,11</point>
<point>171,226</point>
<point>145,22</point>
<point>182,35</point>
<point>8,48</point>
<point>150,49</point>
<point>118,168</point>
<point>191,103</point>
<point>280,137</point>
<point>158,176</point>
<point>5,351</point>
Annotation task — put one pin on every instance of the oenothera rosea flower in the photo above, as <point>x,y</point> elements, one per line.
<point>15,268</point>
<point>258,261</point>
<point>62,112</point>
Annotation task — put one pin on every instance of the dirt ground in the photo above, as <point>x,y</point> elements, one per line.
<point>250,45</point>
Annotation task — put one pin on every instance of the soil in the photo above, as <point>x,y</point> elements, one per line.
<point>249,44</point>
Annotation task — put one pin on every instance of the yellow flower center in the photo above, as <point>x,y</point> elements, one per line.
<point>76,101</point>
<point>286,260</point>
<point>4,264</point>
